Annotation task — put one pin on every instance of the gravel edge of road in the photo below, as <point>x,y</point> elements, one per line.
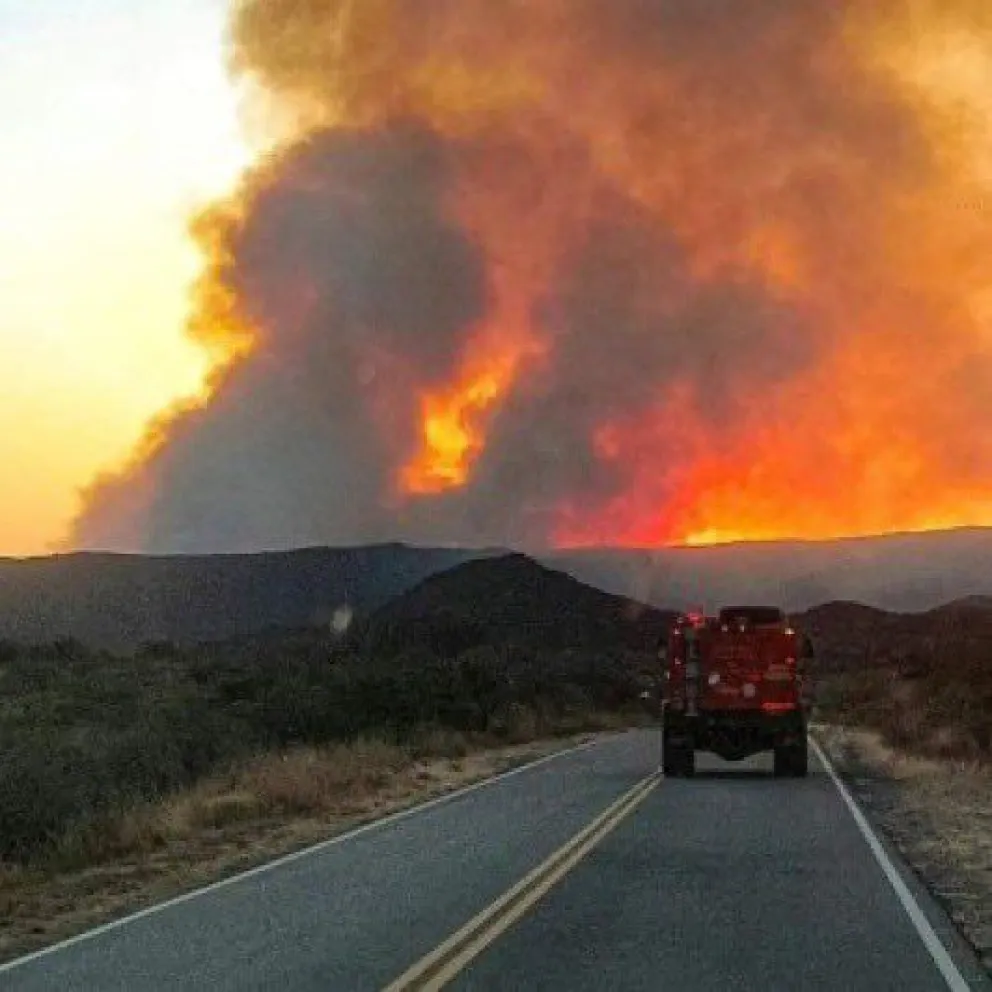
<point>928,811</point>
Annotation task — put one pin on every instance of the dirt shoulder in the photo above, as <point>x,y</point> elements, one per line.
<point>259,811</point>
<point>939,815</point>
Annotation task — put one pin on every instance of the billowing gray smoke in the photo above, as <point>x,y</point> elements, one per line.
<point>682,194</point>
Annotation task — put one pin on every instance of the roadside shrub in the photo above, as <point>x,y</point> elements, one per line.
<point>86,736</point>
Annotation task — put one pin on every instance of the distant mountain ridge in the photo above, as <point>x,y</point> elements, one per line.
<point>120,601</point>
<point>518,596</point>
<point>898,572</point>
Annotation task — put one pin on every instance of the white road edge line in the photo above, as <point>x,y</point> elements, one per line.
<point>945,964</point>
<point>297,855</point>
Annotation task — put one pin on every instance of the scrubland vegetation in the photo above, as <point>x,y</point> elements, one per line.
<point>90,740</point>
<point>922,680</point>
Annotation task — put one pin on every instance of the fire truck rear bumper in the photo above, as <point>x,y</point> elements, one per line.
<point>734,734</point>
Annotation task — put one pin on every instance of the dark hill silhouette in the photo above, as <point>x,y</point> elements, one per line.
<point>973,608</point>
<point>120,601</point>
<point>515,597</point>
<point>843,633</point>
<point>923,679</point>
<point>855,637</point>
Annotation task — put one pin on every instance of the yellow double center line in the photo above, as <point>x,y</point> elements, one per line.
<point>435,970</point>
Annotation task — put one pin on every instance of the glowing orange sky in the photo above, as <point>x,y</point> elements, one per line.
<point>94,325</point>
<point>881,398</point>
<point>116,122</point>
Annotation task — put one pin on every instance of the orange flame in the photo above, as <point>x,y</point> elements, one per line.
<point>870,439</point>
<point>872,230</point>
<point>453,427</point>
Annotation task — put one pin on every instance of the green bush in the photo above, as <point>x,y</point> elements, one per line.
<point>86,733</point>
<point>925,694</point>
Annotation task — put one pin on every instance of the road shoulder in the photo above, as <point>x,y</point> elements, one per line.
<point>937,815</point>
<point>39,909</point>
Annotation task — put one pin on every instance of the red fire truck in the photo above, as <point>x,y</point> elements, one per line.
<point>735,684</point>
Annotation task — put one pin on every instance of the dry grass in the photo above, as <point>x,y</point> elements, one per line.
<point>260,809</point>
<point>937,812</point>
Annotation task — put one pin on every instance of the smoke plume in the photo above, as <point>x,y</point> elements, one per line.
<point>598,271</point>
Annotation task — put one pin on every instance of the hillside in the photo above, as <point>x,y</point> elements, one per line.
<point>844,633</point>
<point>923,679</point>
<point>852,636</point>
<point>514,596</point>
<point>899,572</point>
<point>496,650</point>
<point>120,601</point>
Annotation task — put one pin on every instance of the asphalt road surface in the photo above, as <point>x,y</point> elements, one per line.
<point>586,871</point>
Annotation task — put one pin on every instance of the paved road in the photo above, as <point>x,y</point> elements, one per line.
<point>733,880</point>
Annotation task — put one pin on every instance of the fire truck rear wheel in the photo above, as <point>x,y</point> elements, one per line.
<point>800,760</point>
<point>678,760</point>
<point>792,761</point>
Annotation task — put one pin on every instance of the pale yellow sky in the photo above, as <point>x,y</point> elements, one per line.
<point>118,120</point>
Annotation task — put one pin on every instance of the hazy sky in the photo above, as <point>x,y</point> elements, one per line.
<point>117,119</point>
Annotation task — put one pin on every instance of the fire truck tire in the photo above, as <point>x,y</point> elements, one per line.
<point>688,762</point>
<point>800,760</point>
<point>792,761</point>
<point>678,760</point>
<point>781,762</point>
